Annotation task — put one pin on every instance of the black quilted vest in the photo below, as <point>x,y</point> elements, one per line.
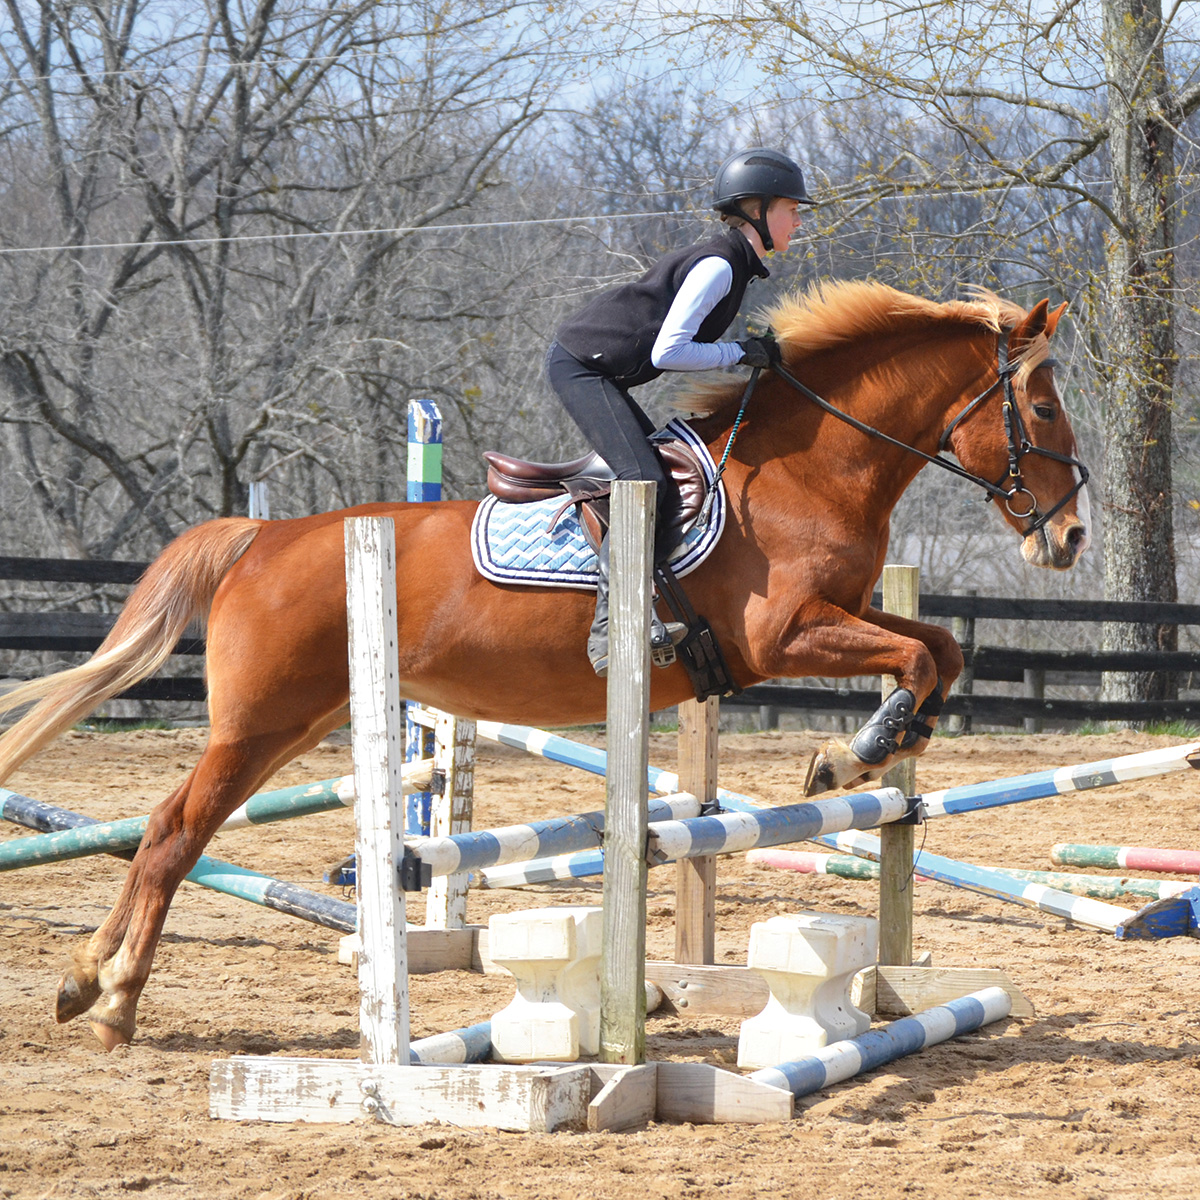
<point>616,332</point>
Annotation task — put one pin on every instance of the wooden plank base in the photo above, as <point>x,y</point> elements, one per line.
<point>704,1094</point>
<point>537,1099</point>
<point>709,990</point>
<point>902,991</point>
<point>622,1097</point>
<point>685,1091</point>
<point>433,950</point>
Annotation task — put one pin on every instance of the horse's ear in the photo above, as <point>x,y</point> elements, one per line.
<point>1053,317</point>
<point>1035,322</point>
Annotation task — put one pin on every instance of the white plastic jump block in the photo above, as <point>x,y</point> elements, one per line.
<point>554,954</point>
<point>809,961</point>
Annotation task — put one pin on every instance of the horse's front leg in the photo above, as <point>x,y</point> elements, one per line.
<point>826,640</point>
<point>948,659</point>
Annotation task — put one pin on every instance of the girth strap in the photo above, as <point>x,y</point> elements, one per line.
<point>700,651</point>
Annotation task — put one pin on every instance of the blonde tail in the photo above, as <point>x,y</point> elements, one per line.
<point>177,587</point>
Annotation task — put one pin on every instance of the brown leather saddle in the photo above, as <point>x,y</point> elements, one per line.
<point>586,482</point>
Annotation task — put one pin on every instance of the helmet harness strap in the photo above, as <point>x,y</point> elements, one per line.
<point>759,223</point>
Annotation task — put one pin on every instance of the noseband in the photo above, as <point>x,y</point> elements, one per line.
<point>1015,432</point>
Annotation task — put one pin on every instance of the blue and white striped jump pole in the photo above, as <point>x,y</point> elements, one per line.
<point>208,872</point>
<point>850,866</point>
<point>672,839</point>
<point>973,797</point>
<point>559,749</point>
<point>516,843</point>
<point>854,1056</point>
<point>424,484</point>
<point>727,833</point>
<point>470,1045</point>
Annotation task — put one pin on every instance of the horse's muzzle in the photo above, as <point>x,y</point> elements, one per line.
<point>1057,545</point>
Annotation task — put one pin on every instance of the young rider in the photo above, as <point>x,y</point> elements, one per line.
<point>670,320</point>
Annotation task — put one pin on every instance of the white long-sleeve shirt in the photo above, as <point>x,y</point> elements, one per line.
<point>675,348</point>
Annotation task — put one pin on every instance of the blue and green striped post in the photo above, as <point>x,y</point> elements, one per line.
<point>424,483</point>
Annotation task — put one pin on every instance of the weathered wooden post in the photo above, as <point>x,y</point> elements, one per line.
<point>623,956</point>
<point>963,629</point>
<point>900,589</point>
<point>1035,689</point>
<point>450,813</point>
<point>696,878</point>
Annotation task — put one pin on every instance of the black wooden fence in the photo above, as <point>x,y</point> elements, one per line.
<point>1032,668</point>
<point>85,631</point>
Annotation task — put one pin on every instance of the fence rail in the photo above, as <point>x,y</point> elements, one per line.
<point>988,710</point>
<point>62,632</point>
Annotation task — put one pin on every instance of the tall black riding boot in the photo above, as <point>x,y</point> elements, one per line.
<point>663,638</point>
<point>597,646</point>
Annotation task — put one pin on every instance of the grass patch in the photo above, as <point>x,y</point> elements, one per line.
<point>1188,731</point>
<point>122,724</point>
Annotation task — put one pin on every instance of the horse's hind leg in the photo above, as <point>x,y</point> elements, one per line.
<point>110,971</point>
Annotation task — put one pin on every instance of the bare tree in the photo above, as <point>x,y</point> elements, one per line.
<point>228,212</point>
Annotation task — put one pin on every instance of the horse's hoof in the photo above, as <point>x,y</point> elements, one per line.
<point>836,766</point>
<point>110,1038</point>
<point>820,774</point>
<point>76,994</point>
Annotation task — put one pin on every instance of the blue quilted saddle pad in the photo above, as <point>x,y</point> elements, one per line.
<point>525,544</point>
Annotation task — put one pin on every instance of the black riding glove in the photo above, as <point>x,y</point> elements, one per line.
<point>760,352</point>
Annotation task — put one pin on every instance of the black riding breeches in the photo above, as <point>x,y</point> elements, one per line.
<point>618,430</point>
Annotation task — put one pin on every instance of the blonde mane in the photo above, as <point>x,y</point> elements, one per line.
<point>834,313</point>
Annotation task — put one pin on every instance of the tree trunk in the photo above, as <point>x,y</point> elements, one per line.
<point>1139,547</point>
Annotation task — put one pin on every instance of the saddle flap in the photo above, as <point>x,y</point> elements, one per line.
<point>688,476</point>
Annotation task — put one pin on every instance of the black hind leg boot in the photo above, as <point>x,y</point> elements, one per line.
<point>597,646</point>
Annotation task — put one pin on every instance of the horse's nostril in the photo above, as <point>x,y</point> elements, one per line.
<point>1076,535</point>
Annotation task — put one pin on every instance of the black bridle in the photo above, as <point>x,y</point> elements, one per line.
<point>1019,443</point>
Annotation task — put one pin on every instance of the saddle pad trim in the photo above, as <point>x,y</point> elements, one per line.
<point>563,556</point>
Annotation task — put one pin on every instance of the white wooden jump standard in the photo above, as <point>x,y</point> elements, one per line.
<point>378,752</point>
<point>386,1086</point>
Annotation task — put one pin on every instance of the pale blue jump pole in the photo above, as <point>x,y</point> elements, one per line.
<point>555,748</point>
<point>208,872</point>
<point>58,843</point>
<point>1175,916</point>
<point>424,483</point>
<point>973,797</point>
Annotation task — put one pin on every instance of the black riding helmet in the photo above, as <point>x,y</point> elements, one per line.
<point>757,173</point>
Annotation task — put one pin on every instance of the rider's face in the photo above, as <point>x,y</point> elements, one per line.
<point>783,219</point>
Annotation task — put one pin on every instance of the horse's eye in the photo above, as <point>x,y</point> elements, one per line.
<point>1045,412</point>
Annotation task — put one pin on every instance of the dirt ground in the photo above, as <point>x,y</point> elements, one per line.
<point>1095,1097</point>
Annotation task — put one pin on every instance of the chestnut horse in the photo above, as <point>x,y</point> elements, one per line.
<point>787,589</point>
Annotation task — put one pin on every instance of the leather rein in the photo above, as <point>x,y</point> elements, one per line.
<point>1019,443</point>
